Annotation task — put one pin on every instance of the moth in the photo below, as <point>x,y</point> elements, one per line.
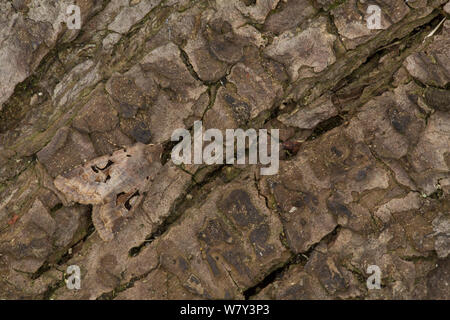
<point>113,184</point>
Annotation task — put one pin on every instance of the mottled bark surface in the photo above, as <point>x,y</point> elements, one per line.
<point>364,163</point>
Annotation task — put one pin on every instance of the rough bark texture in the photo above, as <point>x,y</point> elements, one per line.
<point>86,118</point>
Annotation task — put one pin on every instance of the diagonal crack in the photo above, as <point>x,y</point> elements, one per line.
<point>295,259</point>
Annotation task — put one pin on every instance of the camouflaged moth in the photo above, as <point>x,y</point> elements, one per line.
<point>113,184</point>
